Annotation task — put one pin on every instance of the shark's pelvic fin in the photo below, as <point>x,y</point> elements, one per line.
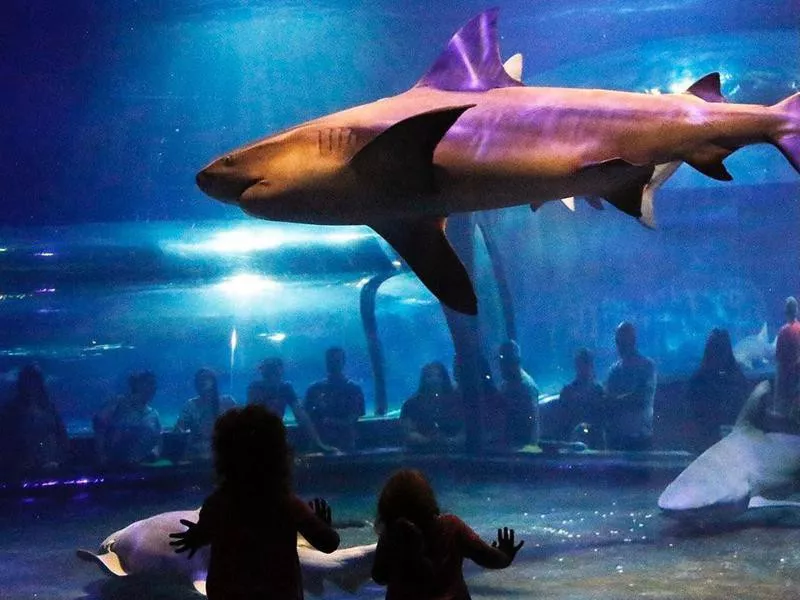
<point>708,160</point>
<point>513,67</point>
<point>471,61</point>
<point>423,245</point>
<point>629,196</point>
<point>709,88</point>
<point>400,159</point>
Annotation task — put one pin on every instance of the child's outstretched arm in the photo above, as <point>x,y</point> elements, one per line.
<point>497,556</point>
<point>314,523</point>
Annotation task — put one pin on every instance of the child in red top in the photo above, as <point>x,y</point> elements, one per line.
<point>252,519</point>
<point>420,551</point>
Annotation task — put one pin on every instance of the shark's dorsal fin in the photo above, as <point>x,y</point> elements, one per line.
<point>709,88</point>
<point>400,159</point>
<point>762,334</point>
<point>513,67</point>
<point>422,244</point>
<point>471,62</point>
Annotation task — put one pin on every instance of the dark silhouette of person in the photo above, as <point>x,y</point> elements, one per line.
<point>716,392</point>
<point>198,414</point>
<point>335,404</point>
<point>420,551</point>
<point>787,365</point>
<point>32,434</point>
<point>519,398</point>
<point>494,409</point>
<point>581,403</point>
<point>630,392</point>
<point>252,518</point>
<point>128,430</point>
<point>433,418</point>
<point>275,394</point>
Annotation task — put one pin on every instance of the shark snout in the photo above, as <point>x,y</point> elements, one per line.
<point>218,186</point>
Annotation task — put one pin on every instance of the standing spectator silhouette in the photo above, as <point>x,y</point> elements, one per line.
<point>519,397</point>
<point>32,433</point>
<point>335,404</point>
<point>630,392</point>
<point>420,551</point>
<point>787,365</point>
<point>252,518</point>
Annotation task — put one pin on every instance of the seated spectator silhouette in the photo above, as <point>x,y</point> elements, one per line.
<point>198,414</point>
<point>630,391</point>
<point>252,518</point>
<point>519,398</point>
<point>421,551</point>
<point>275,394</point>
<point>32,433</point>
<point>335,404</point>
<point>580,405</point>
<point>433,418</point>
<point>127,430</point>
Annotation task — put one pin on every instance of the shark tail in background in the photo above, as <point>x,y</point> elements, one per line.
<point>788,142</point>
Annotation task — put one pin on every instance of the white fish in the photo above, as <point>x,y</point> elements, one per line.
<point>143,548</point>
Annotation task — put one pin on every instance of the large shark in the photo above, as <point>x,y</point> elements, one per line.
<point>143,548</point>
<point>470,136</point>
<point>748,468</point>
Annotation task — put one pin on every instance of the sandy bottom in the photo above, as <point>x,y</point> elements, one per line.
<point>601,542</point>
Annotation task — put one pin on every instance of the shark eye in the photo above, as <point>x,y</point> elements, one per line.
<point>227,160</point>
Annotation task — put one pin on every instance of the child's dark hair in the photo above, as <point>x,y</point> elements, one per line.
<point>251,452</point>
<point>407,495</point>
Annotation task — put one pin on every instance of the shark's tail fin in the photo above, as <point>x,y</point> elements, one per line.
<point>788,141</point>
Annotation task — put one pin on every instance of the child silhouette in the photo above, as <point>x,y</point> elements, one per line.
<point>252,518</point>
<point>420,551</point>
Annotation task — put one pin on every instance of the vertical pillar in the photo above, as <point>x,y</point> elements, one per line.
<point>368,320</point>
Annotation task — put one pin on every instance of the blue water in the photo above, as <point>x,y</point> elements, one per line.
<point>111,258</point>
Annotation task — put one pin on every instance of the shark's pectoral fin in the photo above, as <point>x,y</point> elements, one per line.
<point>471,61</point>
<point>709,88</point>
<point>109,561</point>
<point>423,245</point>
<point>761,502</point>
<point>708,160</point>
<point>400,159</point>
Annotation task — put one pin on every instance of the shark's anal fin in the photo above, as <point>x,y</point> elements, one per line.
<point>471,61</point>
<point>709,88</point>
<point>400,158</point>
<point>423,245</point>
<point>708,160</point>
